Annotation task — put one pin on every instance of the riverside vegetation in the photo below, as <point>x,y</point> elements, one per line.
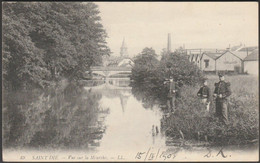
<point>44,42</point>
<point>48,43</point>
<point>47,47</point>
<point>190,121</point>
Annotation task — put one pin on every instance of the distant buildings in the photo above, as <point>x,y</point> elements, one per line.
<point>239,59</point>
<point>122,61</point>
<point>123,49</point>
<point>251,63</point>
<point>208,61</point>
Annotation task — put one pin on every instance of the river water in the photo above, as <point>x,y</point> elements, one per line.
<point>100,121</point>
<point>130,126</point>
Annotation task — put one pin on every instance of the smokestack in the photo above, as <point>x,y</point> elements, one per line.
<point>169,43</point>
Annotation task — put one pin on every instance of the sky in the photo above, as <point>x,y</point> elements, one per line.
<point>195,25</point>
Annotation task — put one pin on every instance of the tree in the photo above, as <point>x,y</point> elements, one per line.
<point>180,68</point>
<point>149,74</point>
<point>144,64</point>
<point>21,59</point>
<point>43,41</point>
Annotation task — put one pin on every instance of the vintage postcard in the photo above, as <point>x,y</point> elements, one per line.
<point>130,81</point>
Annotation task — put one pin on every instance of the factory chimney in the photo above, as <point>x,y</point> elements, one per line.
<point>169,43</point>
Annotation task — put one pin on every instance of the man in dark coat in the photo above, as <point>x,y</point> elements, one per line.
<point>204,94</point>
<point>221,93</point>
<point>171,94</point>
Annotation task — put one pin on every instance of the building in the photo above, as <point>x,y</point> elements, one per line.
<point>225,61</point>
<point>208,61</point>
<point>228,61</point>
<point>122,61</point>
<point>126,62</point>
<point>198,59</point>
<point>251,63</point>
<point>123,49</point>
<point>194,58</point>
<point>238,59</point>
<point>190,57</point>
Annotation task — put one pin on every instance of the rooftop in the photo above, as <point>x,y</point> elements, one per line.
<point>249,48</point>
<point>252,56</point>
<point>241,54</point>
<point>213,55</point>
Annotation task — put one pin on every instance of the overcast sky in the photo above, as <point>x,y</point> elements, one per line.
<point>197,25</point>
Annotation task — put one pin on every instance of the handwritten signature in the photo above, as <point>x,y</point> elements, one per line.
<point>219,154</point>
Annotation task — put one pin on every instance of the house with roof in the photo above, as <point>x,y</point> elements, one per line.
<point>126,62</point>
<point>120,62</point>
<point>228,61</point>
<point>251,63</point>
<point>238,59</point>
<point>208,61</point>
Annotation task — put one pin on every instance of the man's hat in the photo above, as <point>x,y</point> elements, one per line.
<point>220,74</point>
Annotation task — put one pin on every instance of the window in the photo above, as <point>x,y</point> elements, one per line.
<point>206,63</point>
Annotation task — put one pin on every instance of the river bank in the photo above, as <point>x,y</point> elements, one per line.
<point>192,122</point>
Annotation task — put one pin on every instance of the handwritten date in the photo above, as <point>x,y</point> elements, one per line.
<point>152,154</point>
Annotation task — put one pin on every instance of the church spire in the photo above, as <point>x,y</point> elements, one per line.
<point>123,49</point>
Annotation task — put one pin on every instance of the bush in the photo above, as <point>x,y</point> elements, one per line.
<point>180,68</point>
<point>149,74</point>
<point>192,119</point>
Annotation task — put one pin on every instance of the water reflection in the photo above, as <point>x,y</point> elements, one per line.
<point>102,115</point>
<point>65,118</point>
<point>130,127</point>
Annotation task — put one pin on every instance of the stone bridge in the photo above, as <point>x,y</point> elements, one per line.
<point>109,71</point>
<point>112,83</point>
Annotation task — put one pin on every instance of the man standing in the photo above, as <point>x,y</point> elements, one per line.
<point>171,94</point>
<point>221,93</point>
<point>204,94</point>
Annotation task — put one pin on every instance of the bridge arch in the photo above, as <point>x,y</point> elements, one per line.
<point>109,71</point>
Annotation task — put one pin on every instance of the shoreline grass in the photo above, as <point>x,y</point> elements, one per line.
<point>196,124</point>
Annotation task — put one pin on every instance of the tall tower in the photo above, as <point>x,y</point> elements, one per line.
<point>123,49</point>
<point>169,43</point>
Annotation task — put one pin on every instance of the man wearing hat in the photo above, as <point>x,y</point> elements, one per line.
<point>221,93</point>
<point>204,93</point>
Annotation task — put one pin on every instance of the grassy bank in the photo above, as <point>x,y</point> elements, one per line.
<point>192,122</point>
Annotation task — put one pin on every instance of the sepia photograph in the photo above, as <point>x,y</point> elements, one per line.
<point>130,81</point>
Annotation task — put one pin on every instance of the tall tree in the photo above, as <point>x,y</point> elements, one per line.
<point>46,40</point>
<point>144,63</point>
